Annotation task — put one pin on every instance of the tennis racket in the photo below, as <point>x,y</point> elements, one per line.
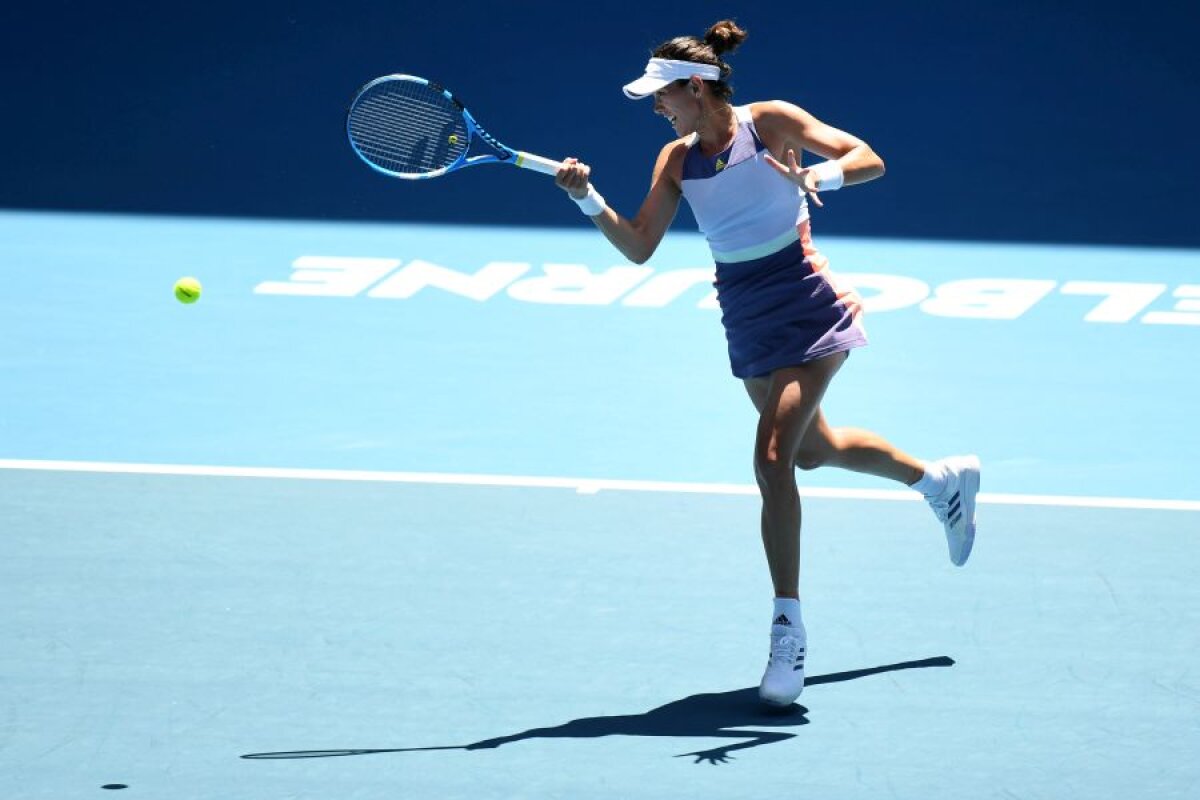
<point>408,127</point>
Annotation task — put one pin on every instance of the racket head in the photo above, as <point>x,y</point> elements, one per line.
<point>409,127</point>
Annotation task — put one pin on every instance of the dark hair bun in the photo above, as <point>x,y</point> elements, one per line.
<point>724,37</point>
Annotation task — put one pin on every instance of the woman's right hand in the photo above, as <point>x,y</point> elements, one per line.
<point>573,178</point>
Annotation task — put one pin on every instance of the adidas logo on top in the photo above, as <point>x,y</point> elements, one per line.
<point>782,620</point>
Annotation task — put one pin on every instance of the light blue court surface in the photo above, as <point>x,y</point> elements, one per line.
<point>442,512</point>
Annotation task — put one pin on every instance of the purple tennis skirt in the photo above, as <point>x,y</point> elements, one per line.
<point>785,309</point>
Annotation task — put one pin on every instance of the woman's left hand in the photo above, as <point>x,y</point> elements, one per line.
<point>801,176</point>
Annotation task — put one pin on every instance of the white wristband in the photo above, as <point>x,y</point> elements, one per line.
<point>829,176</point>
<point>592,203</point>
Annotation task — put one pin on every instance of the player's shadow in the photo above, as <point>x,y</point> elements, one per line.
<point>719,715</point>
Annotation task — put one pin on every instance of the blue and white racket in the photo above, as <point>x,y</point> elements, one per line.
<point>408,127</point>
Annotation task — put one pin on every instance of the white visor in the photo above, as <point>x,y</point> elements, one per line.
<point>662,71</point>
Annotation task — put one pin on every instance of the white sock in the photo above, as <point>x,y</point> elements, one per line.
<point>787,612</point>
<point>933,481</point>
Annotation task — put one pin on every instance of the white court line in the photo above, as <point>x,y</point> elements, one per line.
<point>581,485</point>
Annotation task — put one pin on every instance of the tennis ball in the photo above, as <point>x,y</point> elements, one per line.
<point>187,290</point>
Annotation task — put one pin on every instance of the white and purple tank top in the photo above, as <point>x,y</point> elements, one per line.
<point>741,204</point>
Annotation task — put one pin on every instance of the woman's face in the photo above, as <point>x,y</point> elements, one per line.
<point>680,105</point>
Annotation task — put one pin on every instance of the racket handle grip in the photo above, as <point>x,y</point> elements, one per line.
<point>545,165</point>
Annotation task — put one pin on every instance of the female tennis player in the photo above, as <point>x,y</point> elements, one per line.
<point>788,324</point>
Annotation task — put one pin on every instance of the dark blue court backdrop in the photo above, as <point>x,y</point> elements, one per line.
<point>1020,120</point>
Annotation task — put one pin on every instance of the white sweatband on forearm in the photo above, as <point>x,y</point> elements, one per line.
<point>829,176</point>
<point>592,203</point>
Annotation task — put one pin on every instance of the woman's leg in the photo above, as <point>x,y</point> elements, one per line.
<point>950,485</point>
<point>791,401</point>
<point>857,450</point>
<point>848,448</point>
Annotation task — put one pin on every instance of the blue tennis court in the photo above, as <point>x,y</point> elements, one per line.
<point>449,511</point>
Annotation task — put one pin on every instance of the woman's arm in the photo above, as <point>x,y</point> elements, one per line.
<point>787,130</point>
<point>637,239</point>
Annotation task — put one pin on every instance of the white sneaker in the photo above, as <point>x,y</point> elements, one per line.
<point>783,681</point>
<point>955,506</point>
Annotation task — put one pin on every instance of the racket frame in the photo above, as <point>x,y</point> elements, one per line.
<point>503,155</point>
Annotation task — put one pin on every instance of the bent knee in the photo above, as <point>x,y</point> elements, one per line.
<point>813,457</point>
<point>821,448</point>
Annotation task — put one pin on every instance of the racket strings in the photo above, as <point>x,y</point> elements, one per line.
<point>408,128</point>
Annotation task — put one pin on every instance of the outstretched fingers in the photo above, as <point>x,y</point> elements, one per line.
<point>798,175</point>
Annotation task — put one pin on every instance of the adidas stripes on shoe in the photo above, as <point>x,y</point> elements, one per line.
<point>783,680</point>
<point>955,505</point>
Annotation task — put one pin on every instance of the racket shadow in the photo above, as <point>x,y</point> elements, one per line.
<point>713,715</point>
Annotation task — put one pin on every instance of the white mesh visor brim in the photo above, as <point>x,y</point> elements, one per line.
<point>662,71</point>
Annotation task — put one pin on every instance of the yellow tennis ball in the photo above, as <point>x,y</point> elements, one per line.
<point>187,290</point>
<point>453,138</point>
